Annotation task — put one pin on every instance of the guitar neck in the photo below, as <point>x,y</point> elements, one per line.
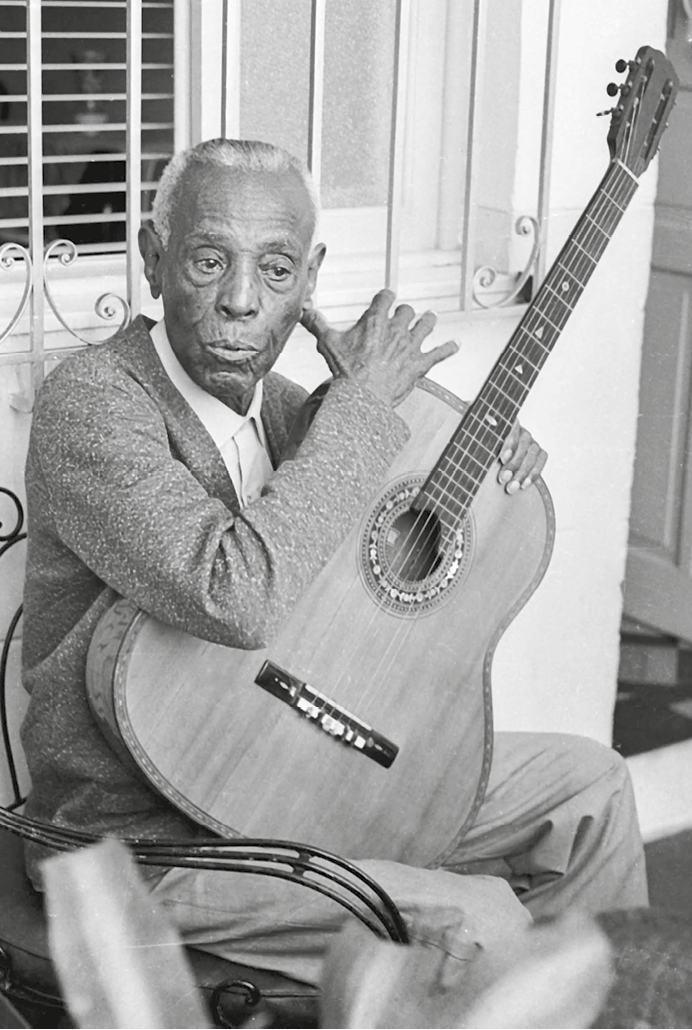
<point>478,440</point>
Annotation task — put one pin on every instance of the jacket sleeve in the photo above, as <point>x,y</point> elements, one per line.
<point>142,523</point>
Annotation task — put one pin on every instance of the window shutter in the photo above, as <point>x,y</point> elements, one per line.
<point>83,75</point>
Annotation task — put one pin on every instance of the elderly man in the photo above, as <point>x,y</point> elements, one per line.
<point>154,473</point>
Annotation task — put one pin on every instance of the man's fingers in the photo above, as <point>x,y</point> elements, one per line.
<point>510,444</point>
<point>439,353</point>
<point>537,468</point>
<point>315,322</point>
<point>423,327</point>
<point>382,302</point>
<point>403,316</point>
<point>523,460</point>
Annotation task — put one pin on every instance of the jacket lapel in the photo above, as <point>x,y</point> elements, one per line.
<point>189,440</point>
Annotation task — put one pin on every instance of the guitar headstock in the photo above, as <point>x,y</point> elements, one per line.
<point>641,114</point>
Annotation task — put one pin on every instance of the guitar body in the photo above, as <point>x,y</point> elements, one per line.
<point>374,737</point>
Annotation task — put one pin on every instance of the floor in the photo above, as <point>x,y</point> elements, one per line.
<point>654,711</point>
<point>654,700</point>
<point>669,863</point>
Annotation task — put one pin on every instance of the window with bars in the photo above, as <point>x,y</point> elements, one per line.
<point>426,124</point>
<point>76,57</point>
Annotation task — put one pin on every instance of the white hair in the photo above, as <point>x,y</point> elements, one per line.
<point>245,155</point>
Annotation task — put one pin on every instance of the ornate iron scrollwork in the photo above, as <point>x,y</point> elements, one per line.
<point>8,260</point>
<point>105,307</point>
<point>485,276</point>
<point>14,534</point>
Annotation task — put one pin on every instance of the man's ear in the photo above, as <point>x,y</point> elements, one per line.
<point>151,249</point>
<point>314,263</point>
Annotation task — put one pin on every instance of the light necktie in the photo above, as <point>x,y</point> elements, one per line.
<point>251,460</point>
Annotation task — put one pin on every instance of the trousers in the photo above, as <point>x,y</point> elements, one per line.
<point>557,829</point>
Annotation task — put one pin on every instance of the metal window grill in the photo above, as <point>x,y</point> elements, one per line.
<point>88,123</point>
<point>39,246</point>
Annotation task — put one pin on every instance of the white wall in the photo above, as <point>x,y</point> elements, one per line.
<point>556,666</point>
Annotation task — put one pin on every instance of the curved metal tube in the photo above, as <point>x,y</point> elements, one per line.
<point>251,855</point>
<point>14,533</point>
<point>104,306</point>
<point>486,275</point>
<point>7,260</point>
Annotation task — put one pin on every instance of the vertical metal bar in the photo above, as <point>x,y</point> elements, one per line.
<point>452,157</point>
<point>316,100</point>
<point>547,134</point>
<point>396,147</point>
<point>35,182</point>
<point>182,107</point>
<point>230,70</point>
<point>468,223</point>
<point>133,150</point>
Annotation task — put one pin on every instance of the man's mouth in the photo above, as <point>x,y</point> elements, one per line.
<point>232,354</point>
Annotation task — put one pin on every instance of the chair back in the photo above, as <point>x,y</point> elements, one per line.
<point>9,539</point>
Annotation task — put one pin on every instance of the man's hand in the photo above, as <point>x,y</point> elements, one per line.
<point>382,352</point>
<point>523,460</point>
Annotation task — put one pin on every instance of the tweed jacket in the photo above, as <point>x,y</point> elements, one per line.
<point>127,495</point>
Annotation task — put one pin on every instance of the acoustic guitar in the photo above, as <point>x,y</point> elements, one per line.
<point>365,728</point>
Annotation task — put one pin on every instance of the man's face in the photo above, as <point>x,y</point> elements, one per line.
<point>235,275</point>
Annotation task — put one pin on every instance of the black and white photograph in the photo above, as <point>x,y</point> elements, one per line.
<point>346,514</point>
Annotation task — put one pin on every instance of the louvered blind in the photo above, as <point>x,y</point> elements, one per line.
<point>79,55</point>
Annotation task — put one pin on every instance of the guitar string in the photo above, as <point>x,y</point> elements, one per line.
<point>582,263</point>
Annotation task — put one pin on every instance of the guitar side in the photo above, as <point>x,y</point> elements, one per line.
<point>413,668</point>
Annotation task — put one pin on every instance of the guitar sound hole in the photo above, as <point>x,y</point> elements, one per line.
<point>409,560</point>
<point>412,546</point>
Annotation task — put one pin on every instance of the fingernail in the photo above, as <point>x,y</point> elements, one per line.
<point>527,483</point>
<point>505,476</point>
<point>513,487</point>
<point>506,455</point>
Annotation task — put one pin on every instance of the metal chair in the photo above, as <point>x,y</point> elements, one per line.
<point>234,992</point>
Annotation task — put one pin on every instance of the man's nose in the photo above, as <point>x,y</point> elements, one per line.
<point>238,295</point>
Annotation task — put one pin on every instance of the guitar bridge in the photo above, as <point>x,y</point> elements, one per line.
<point>327,715</point>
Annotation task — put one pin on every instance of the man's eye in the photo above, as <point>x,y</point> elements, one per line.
<point>208,265</point>
<point>277,272</point>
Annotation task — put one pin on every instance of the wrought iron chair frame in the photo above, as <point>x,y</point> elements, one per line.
<point>313,868</point>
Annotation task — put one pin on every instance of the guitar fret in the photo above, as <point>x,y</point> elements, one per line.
<point>519,368</point>
<point>493,400</point>
<point>522,353</point>
<point>462,462</point>
<point>614,201</point>
<point>498,388</point>
<point>549,321</point>
<point>532,346</point>
<point>453,497</point>
<point>458,473</point>
<point>585,252</point>
<point>572,274</point>
<point>440,506</point>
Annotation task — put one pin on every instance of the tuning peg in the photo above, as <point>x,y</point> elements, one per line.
<point>600,114</point>
<point>612,89</point>
<point>622,65</point>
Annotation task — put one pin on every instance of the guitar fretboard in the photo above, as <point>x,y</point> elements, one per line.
<point>456,478</point>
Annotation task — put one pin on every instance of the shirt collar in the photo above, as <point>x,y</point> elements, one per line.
<point>220,421</point>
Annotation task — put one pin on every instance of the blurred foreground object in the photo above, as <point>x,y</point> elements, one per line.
<point>557,975</point>
<point>119,961</point>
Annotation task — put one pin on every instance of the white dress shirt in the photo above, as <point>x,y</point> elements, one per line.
<point>240,438</point>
